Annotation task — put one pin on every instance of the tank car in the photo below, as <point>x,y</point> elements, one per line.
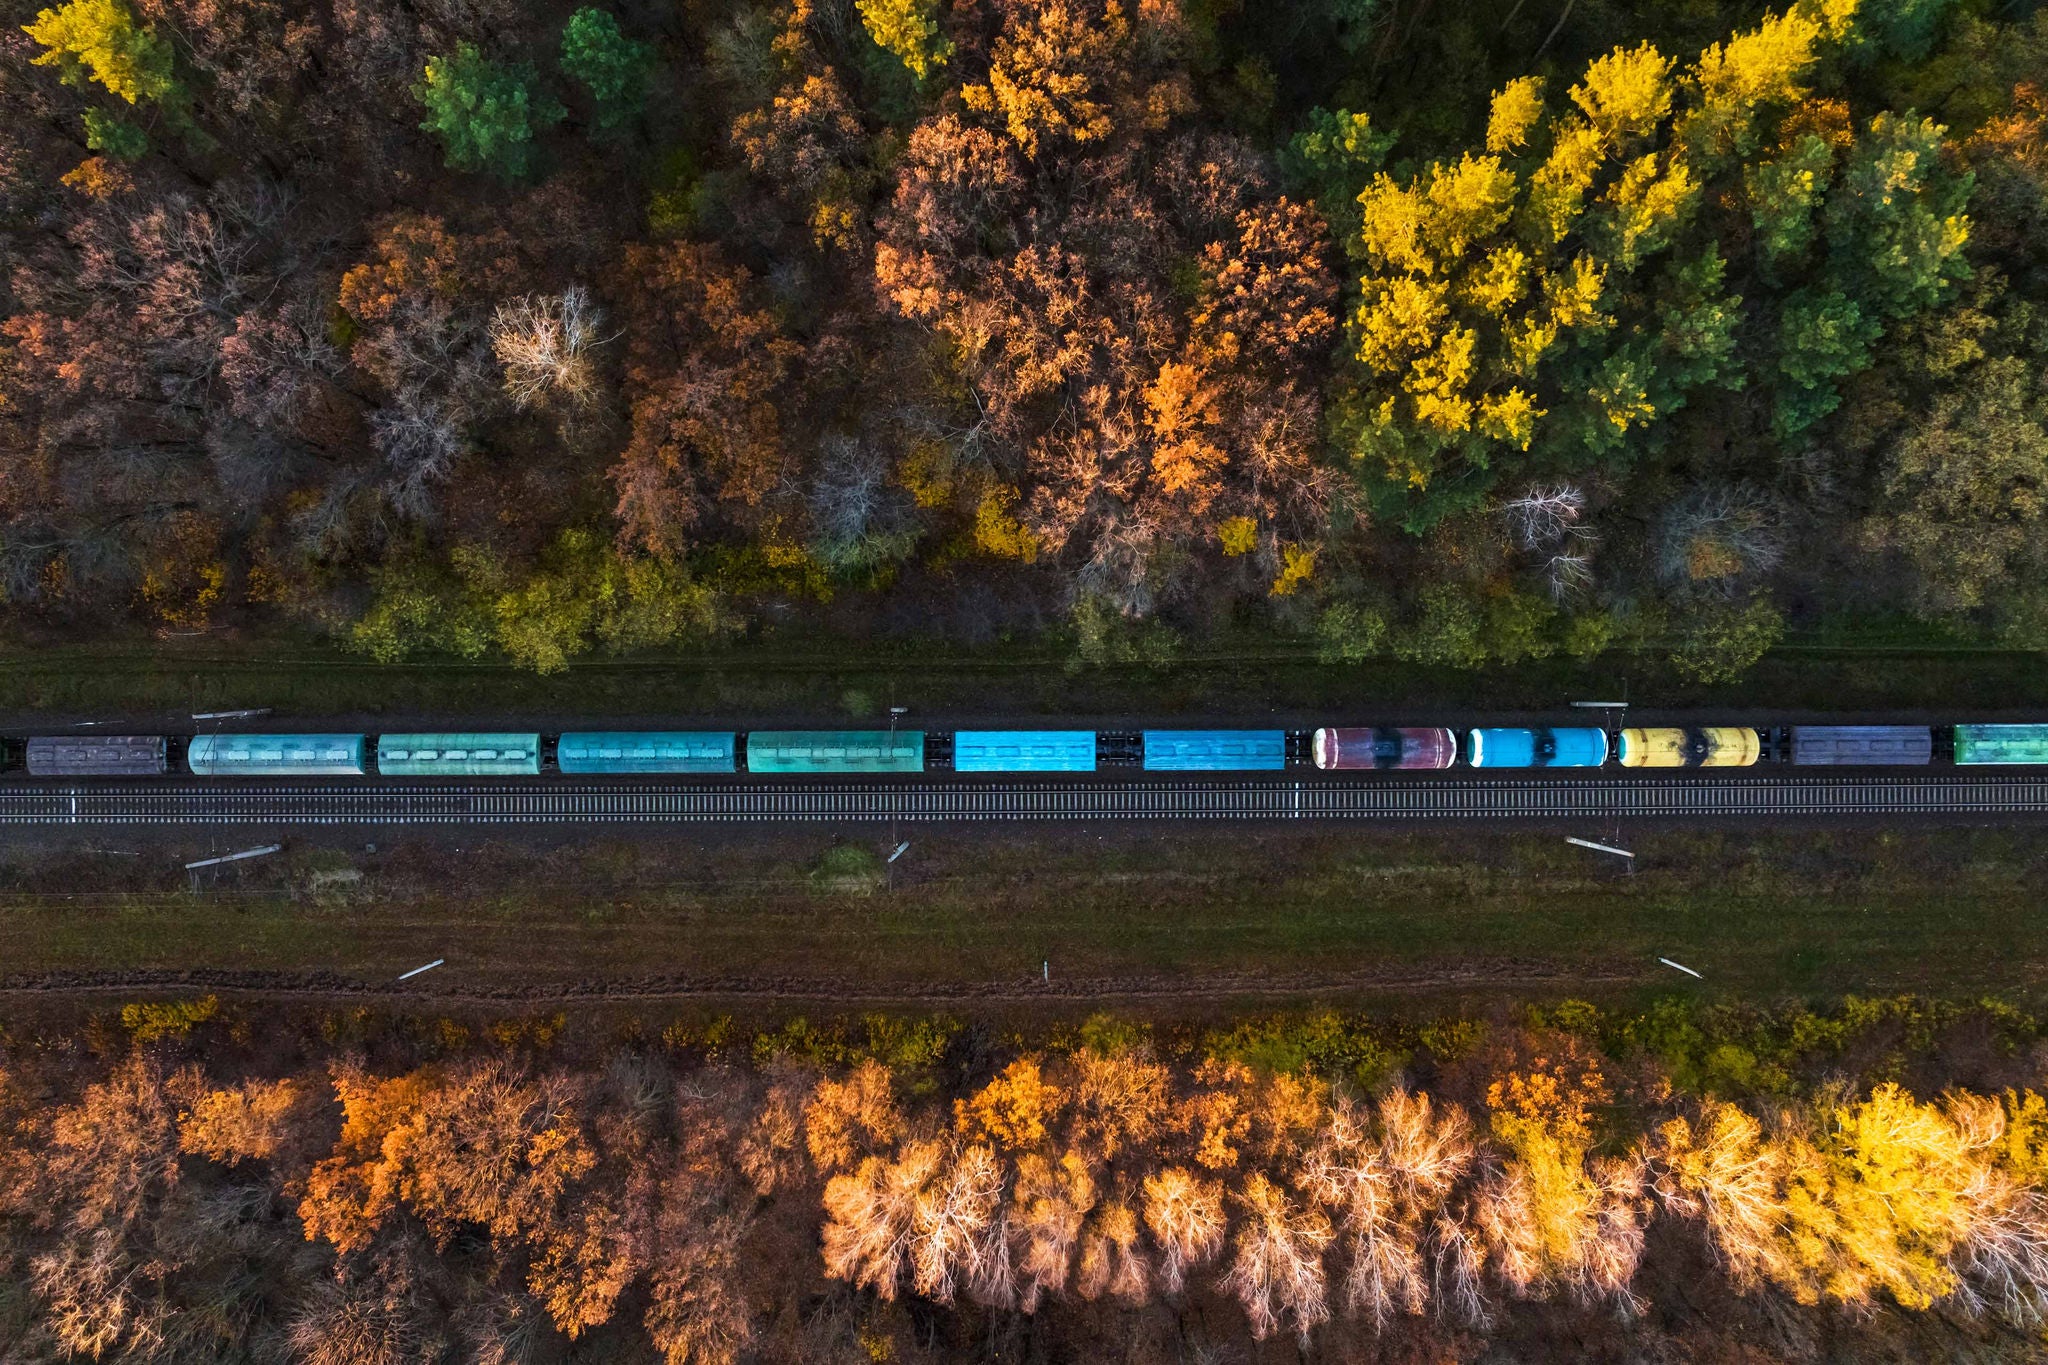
<point>1385,746</point>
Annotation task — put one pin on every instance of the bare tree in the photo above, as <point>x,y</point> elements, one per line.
<point>1459,1281</point>
<point>1053,1199</point>
<point>547,344</point>
<point>874,1216</point>
<point>1111,1261</point>
<point>1277,1273</point>
<point>1381,1190</point>
<point>1185,1217</point>
<point>1544,516</point>
<point>1568,573</point>
<point>1724,1173</point>
<point>2002,1264</point>
<point>961,1240</point>
<point>1718,538</point>
<point>859,517</point>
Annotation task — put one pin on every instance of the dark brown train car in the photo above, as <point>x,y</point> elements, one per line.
<point>97,756</point>
<point>1386,746</point>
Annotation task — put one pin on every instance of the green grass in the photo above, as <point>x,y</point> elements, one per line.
<point>821,677</point>
<point>1322,914</point>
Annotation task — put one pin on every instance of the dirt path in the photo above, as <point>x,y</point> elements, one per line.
<point>1519,974</point>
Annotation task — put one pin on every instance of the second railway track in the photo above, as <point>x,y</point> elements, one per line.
<point>1887,795</point>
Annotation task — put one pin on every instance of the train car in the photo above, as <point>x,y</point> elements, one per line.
<point>647,751</point>
<point>2001,744</point>
<point>1714,746</point>
<point>458,755</point>
<point>276,755</point>
<point>1190,751</point>
<point>97,756</point>
<point>1385,746</point>
<point>1576,746</point>
<point>1024,751</point>
<point>835,751</point>
<point>1845,745</point>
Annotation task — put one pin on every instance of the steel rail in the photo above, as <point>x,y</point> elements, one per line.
<point>1367,798</point>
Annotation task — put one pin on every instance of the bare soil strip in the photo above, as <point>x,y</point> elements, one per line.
<point>1404,977</point>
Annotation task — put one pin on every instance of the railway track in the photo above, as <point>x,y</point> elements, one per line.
<point>1361,798</point>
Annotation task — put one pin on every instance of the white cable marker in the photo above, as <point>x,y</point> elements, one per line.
<point>264,852</point>
<point>1599,848</point>
<point>428,968</point>
<point>1680,966</point>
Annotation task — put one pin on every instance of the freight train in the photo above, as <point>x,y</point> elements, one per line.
<point>865,752</point>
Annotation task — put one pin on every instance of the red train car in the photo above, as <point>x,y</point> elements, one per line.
<point>1386,746</point>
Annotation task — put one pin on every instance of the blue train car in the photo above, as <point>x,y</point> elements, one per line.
<point>646,751</point>
<point>276,755</point>
<point>1024,751</point>
<point>1866,745</point>
<point>2001,744</point>
<point>1576,746</point>
<point>1192,751</point>
<point>835,751</point>
<point>458,755</point>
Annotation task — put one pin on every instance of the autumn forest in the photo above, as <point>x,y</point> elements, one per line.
<point>1449,332</point>
<point>190,1180</point>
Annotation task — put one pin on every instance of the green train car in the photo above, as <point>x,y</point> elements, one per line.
<point>835,751</point>
<point>2001,744</point>
<point>458,755</point>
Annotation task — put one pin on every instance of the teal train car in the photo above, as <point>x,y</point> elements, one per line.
<point>1187,751</point>
<point>1024,751</point>
<point>1577,746</point>
<point>458,755</point>
<point>835,751</point>
<point>647,751</point>
<point>2001,744</point>
<point>276,755</point>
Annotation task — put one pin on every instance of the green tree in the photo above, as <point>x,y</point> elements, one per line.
<point>1550,301</point>
<point>1348,633</point>
<point>115,136</point>
<point>1721,641</point>
<point>1448,630</point>
<point>1332,159</point>
<point>608,64</point>
<point>486,115</point>
<point>1966,489</point>
<point>102,39</point>
<point>1823,336</point>
<point>1784,193</point>
<point>909,31</point>
<point>1896,228</point>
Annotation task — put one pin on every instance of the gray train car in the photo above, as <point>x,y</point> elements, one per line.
<point>1862,745</point>
<point>98,756</point>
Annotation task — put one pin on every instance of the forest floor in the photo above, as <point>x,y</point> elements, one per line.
<point>820,679</point>
<point>1040,922</point>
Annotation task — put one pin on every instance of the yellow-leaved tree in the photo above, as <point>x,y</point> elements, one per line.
<point>1545,299</point>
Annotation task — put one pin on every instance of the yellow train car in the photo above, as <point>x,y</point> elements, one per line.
<point>1716,746</point>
